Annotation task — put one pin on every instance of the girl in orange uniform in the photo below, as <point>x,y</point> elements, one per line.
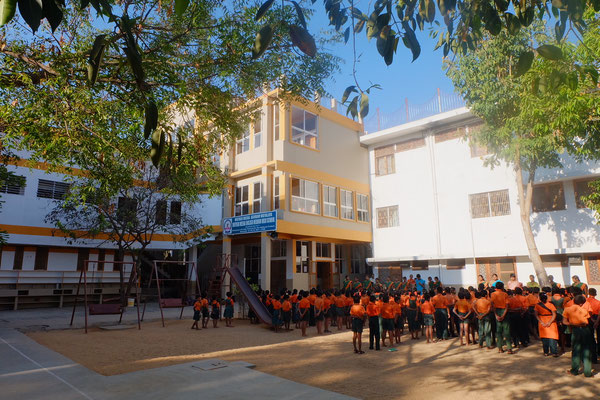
<point>545,313</point>
<point>428,318</point>
<point>357,313</point>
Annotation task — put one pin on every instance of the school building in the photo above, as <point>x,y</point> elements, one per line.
<point>302,167</point>
<point>40,268</point>
<point>438,210</point>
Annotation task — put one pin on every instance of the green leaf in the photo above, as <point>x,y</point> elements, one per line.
<point>410,40</point>
<point>95,58</point>
<point>7,10</point>
<point>524,63</point>
<point>151,118</point>
<point>52,13</point>
<point>158,146</point>
<point>492,22</point>
<point>181,6</point>
<point>263,9</point>
<point>31,11</point>
<point>560,4</point>
<point>300,14</point>
<point>559,31</point>
<point>527,17</point>
<point>429,10</point>
<point>572,81</point>
<point>347,35</point>
<point>353,107</point>
<point>347,92</point>
<point>364,105</point>
<point>359,26</point>
<point>512,23</point>
<point>262,41</point>
<point>303,40</point>
<point>501,5</point>
<point>550,52</point>
<point>382,40</point>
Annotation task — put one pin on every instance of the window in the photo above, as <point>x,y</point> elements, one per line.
<point>119,256</point>
<point>387,217</point>
<point>555,261</point>
<point>304,128</point>
<point>456,263</point>
<point>127,209</point>
<point>241,200</point>
<point>503,267</point>
<point>243,143</point>
<point>278,248</point>
<point>161,212</point>
<point>305,196</point>
<point>18,260</point>
<point>420,265</point>
<point>347,201</point>
<point>302,256</point>
<point>583,189</point>
<point>355,266</point>
<point>339,258</point>
<point>101,258</point>
<point>41,259</point>
<point>548,197</point>
<point>257,197</point>
<point>175,213</point>
<point>52,189</point>
<point>257,129</point>
<point>362,207</point>
<point>384,160</point>
<point>330,201</point>
<point>82,255</point>
<point>276,193</point>
<point>323,250</point>
<point>489,204</point>
<point>13,185</point>
<point>275,108</point>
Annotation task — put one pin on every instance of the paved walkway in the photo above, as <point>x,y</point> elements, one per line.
<point>31,371</point>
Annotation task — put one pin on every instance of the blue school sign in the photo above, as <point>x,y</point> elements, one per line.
<point>251,223</point>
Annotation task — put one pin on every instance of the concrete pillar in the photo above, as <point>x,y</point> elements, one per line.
<point>265,261</point>
<point>226,287</point>
<point>334,105</point>
<point>194,258</point>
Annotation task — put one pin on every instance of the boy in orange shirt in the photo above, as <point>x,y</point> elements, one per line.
<point>275,317</point>
<point>286,307</point>
<point>577,317</point>
<point>357,313</point>
<point>373,314</point>
<point>205,312</point>
<point>387,315</point>
<point>319,312</point>
<point>428,318</point>
<point>197,308</point>
<point>340,308</point>
<point>303,309</point>
<point>398,321</point>
<point>440,303</point>
<point>482,308</point>
<point>462,308</point>
<point>499,301</point>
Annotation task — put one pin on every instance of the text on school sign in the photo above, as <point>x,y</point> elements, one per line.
<point>251,223</point>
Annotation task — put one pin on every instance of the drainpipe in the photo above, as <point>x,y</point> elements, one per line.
<point>430,142</point>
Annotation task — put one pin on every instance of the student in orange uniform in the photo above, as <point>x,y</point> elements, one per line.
<point>276,317</point>
<point>515,309</point>
<point>576,317</point>
<point>453,321</point>
<point>545,312</point>
<point>286,308</point>
<point>340,308</point>
<point>500,303</point>
<point>349,303</point>
<point>387,315</point>
<point>357,313</point>
<point>303,309</point>
<point>205,312</point>
<point>398,321</point>
<point>412,315</point>
<point>228,313</point>
<point>197,308</point>
<point>215,313</point>
<point>373,314</point>
<point>428,318</point>
<point>441,314</point>
<point>311,313</point>
<point>482,308</point>
<point>462,309</point>
<point>594,305</point>
<point>326,311</point>
<point>319,312</point>
<point>533,299</point>
<point>295,314</point>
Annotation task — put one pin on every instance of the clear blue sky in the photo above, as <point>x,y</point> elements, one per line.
<point>418,81</point>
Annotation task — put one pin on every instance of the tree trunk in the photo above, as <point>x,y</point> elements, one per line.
<point>121,276</point>
<point>525,198</point>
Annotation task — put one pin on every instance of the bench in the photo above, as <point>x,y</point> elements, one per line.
<point>171,303</point>
<point>105,309</point>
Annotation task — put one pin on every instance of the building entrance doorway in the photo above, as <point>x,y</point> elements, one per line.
<point>324,275</point>
<point>277,275</point>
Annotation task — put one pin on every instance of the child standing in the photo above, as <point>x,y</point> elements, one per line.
<point>545,312</point>
<point>387,315</point>
<point>576,317</point>
<point>205,312</point>
<point>228,313</point>
<point>197,308</point>
<point>462,308</point>
<point>428,318</point>
<point>286,307</point>
<point>373,314</point>
<point>215,313</point>
<point>482,308</point>
<point>303,309</point>
<point>357,313</point>
<point>275,317</point>
<point>499,300</point>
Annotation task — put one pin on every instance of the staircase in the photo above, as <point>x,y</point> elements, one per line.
<point>222,263</point>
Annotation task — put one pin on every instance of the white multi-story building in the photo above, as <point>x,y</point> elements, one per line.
<point>38,266</point>
<point>439,211</point>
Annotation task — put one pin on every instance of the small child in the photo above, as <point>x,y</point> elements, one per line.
<point>303,309</point>
<point>286,307</point>
<point>275,318</point>
<point>215,311</point>
<point>428,317</point>
<point>197,307</point>
<point>228,313</point>
<point>462,309</point>
<point>357,313</point>
<point>205,312</point>
<point>387,316</point>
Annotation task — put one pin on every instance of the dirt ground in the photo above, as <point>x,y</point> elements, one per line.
<point>415,371</point>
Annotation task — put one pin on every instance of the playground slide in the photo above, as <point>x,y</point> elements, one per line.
<point>257,306</point>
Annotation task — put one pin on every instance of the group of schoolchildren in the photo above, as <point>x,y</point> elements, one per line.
<point>205,309</point>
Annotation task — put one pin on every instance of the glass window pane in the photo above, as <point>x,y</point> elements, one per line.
<point>310,123</point>
<point>298,117</point>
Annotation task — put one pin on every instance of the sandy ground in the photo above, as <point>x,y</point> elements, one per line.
<point>416,371</point>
